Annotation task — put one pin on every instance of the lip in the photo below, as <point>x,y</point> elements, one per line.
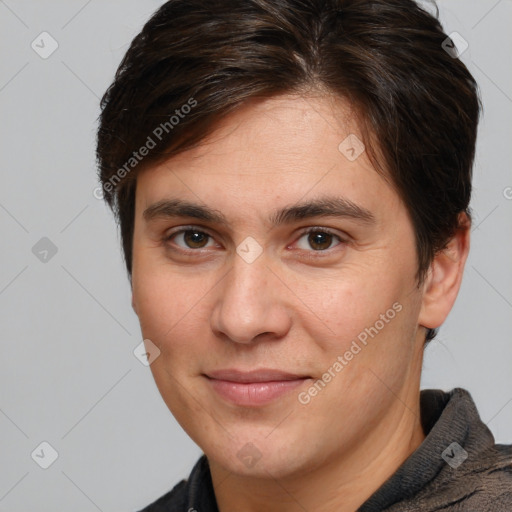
<point>253,388</point>
<point>262,375</point>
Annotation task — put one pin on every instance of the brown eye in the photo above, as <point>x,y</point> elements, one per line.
<point>190,239</point>
<point>318,240</point>
<point>195,239</point>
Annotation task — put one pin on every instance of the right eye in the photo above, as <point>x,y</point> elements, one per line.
<point>190,239</point>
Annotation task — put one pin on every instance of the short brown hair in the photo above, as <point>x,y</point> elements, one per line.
<point>386,57</point>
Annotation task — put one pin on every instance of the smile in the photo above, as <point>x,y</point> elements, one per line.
<point>253,388</point>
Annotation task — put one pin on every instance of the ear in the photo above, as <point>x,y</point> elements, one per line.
<point>444,277</point>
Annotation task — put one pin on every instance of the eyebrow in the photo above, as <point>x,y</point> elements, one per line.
<point>322,207</point>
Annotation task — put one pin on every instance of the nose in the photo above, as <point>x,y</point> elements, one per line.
<point>250,302</point>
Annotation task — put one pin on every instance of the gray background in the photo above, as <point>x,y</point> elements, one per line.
<point>68,375</point>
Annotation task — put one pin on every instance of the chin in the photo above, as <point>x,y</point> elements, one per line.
<point>262,464</point>
<point>256,455</point>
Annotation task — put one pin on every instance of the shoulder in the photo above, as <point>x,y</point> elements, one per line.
<point>483,482</point>
<point>194,493</point>
<point>491,477</point>
<point>173,501</point>
<point>462,466</point>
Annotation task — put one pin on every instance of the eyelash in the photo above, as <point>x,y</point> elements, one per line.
<point>316,229</point>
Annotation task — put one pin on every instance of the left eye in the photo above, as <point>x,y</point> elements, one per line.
<point>317,240</point>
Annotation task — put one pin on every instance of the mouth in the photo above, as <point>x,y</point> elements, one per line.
<point>253,388</point>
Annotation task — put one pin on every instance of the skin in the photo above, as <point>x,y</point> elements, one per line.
<point>296,308</point>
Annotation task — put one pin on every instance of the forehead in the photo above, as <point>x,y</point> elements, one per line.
<point>286,126</point>
<point>281,149</point>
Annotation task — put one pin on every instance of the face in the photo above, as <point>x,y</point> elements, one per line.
<point>276,274</point>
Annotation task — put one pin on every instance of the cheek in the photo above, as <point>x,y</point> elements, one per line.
<point>173,316</point>
<point>169,305</point>
<point>352,302</point>
<point>364,345</point>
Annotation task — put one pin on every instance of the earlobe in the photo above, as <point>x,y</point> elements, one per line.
<point>134,307</point>
<point>444,277</point>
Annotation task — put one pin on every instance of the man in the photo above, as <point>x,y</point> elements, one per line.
<point>292,181</point>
